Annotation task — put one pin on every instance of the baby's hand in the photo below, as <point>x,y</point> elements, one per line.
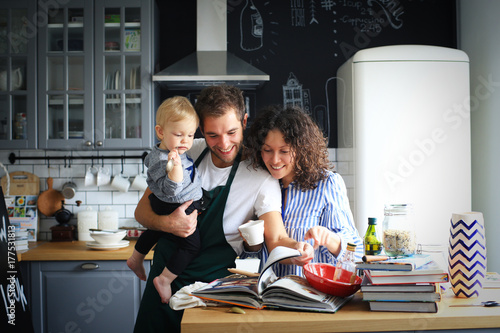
<point>173,160</point>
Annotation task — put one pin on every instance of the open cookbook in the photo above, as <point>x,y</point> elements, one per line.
<point>267,291</point>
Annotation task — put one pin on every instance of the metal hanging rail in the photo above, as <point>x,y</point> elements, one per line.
<point>13,158</point>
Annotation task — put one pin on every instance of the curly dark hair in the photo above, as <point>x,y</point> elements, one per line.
<point>215,101</point>
<point>306,140</point>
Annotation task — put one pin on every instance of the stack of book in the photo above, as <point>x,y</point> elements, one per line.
<point>409,284</point>
<point>21,239</point>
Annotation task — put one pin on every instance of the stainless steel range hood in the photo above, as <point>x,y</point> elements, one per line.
<point>211,64</point>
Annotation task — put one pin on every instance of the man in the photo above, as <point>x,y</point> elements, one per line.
<point>235,193</point>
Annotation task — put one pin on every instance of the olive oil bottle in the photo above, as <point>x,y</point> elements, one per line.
<point>372,244</point>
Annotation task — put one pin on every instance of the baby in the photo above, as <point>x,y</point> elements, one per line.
<point>176,124</point>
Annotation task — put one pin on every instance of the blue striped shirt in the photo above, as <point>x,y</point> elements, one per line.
<point>328,206</point>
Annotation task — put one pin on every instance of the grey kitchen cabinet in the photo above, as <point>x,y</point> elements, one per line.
<point>95,64</point>
<point>18,74</point>
<point>84,296</point>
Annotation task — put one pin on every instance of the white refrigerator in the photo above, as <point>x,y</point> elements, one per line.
<point>404,134</point>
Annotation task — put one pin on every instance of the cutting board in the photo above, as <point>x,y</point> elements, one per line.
<point>21,183</point>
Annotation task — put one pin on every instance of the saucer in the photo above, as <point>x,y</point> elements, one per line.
<point>98,246</point>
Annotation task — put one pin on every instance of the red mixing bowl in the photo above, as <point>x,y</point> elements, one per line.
<point>320,277</point>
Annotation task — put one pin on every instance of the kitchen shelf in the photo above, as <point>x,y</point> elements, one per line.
<point>118,118</point>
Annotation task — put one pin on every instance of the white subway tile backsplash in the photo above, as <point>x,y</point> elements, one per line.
<point>344,154</point>
<point>131,197</point>
<point>342,168</point>
<point>99,198</point>
<point>130,210</point>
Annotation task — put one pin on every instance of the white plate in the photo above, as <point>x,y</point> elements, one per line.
<point>117,80</point>
<point>98,246</point>
<point>132,78</point>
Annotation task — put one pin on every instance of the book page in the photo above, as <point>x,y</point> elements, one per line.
<point>277,254</point>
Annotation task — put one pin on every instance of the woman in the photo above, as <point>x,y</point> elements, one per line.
<point>315,206</point>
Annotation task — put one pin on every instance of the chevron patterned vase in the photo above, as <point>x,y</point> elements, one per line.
<point>467,254</point>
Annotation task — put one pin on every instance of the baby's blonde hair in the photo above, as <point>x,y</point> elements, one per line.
<point>175,109</point>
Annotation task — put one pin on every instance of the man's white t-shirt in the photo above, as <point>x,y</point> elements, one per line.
<point>252,194</point>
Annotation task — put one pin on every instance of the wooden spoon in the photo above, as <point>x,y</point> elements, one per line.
<point>50,201</point>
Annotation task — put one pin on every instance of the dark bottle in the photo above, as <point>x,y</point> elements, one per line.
<point>373,245</point>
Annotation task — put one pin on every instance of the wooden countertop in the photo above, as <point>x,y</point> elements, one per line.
<point>75,250</point>
<point>355,316</point>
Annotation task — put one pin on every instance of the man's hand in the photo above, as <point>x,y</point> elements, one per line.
<point>179,223</point>
<point>307,254</point>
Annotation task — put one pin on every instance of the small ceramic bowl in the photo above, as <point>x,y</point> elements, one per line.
<point>108,237</point>
<point>320,277</point>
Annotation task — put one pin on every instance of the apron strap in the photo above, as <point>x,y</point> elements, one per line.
<point>200,158</point>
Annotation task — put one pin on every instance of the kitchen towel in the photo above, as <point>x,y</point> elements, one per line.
<point>467,254</point>
<point>182,299</point>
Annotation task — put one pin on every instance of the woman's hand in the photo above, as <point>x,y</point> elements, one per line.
<point>324,237</point>
<point>307,254</point>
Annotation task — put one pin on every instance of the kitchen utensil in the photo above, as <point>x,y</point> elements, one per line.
<point>242,272</point>
<point>69,190</point>
<point>50,201</point>
<point>320,276</point>
<point>485,304</point>
<point>63,216</point>
<point>170,165</point>
<point>21,183</point>
<point>370,258</point>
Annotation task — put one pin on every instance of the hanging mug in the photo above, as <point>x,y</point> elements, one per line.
<point>121,182</point>
<point>90,176</point>
<point>103,176</point>
<point>139,182</point>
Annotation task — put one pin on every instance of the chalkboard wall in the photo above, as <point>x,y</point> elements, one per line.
<point>301,43</point>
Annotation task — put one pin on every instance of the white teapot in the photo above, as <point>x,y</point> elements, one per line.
<point>16,79</point>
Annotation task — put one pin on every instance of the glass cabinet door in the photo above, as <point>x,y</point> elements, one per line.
<point>122,113</point>
<point>17,70</point>
<point>66,65</point>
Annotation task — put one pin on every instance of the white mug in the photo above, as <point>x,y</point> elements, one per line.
<point>121,182</point>
<point>253,232</point>
<point>103,176</point>
<point>139,182</point>
<point>16,79</point>
<point>90,176</point>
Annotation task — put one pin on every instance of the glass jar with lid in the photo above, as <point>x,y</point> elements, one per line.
<point>398,230</point>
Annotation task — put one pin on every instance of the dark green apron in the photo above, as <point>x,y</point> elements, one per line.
<point>215,256</point>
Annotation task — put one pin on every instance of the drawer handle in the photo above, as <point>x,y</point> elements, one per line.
<point>89,266</point>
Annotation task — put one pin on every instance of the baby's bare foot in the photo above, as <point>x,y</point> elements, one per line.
<point>137,267</point>
<point>162,285</point>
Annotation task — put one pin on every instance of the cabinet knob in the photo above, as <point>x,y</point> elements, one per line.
<point>89,266</point>
<point>99,143</point>
<point>88,143</point>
